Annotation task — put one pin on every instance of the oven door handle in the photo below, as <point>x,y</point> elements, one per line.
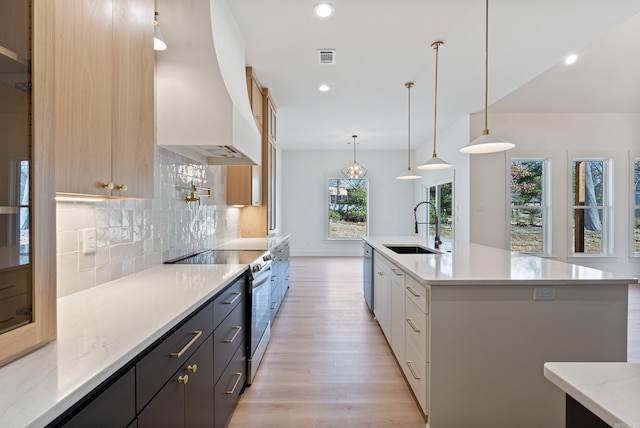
<point>264,277</point>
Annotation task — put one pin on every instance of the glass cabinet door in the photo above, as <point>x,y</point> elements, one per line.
<point>15,147</point>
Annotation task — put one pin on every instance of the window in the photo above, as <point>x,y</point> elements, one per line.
<point>441,198</point>
<point>529,206</point>
<point>636,206</point>
<point>348,211</point>
<point>591,206</point>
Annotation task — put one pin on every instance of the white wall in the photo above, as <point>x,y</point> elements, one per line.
<point>391,201</point>
<point>558,137</point>
<point>304,198</point>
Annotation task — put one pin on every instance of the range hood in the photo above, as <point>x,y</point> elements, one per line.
<point>202,99</point>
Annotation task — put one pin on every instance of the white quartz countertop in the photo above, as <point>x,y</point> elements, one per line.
<point>263,244</point>
<point>100,330</point>
<point>468,264</point>
<point>611,391</point>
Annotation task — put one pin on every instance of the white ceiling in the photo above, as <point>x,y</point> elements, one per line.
<point>381,45</point>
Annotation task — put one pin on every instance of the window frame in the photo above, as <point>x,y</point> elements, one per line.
<point>545,205</point>
<point>327,209</point>
<point>426,218</point>
<point>635,206</point>
<point>607,207</point>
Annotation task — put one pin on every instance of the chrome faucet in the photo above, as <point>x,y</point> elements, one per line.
<point>437,241</point>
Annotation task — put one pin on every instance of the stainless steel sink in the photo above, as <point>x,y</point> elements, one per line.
<point>410,249</point>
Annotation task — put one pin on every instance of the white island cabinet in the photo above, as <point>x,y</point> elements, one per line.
<point>481,322</point>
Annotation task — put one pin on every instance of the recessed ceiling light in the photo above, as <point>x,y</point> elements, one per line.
<point>323,88</point>
<point>323,10</point>
<point>571,59</point>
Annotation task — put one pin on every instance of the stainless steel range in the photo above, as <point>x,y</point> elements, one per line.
<point>259,292</point>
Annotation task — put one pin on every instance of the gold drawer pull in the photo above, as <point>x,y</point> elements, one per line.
<point>192,368</point>
<point>197,333</point>
<point>238,328</point>
<point>413,291</point>
<point>413,325</point>
<point>413,372</point>
<point>183,379</point>
<point>6,287</point>
<point>237,295</point>
<point>235,384</point>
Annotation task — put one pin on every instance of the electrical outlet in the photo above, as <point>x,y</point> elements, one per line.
<point>88,241</point>
<point>544,293</point>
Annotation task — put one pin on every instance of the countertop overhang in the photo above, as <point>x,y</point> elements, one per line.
<point>465,263</point>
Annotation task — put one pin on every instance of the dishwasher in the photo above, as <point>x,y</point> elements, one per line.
<point>367,274</point>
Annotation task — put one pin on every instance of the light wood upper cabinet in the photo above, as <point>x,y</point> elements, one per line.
<point>133,98</point>
<point>104,114</point>
<point>255,98</point>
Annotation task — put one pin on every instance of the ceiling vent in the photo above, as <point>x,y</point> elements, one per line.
<point>327,56</point>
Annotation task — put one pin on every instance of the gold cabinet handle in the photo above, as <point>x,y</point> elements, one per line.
<point>235,385</point>
<point>238,328</point>
<point>396,272</point>
<point>413,291</point>
<point>412,370</point>
<point>183,379</point>
<point>413,325</point>
<point>197,333</point>
<point>122,187</point>
<point>238,294</point>
<point>192,368</point>
<point>380,273</point>
<point>108,185</point>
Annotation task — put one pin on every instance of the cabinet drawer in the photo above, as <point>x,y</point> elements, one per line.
<point>114,407</point>
<point>417,372</point>
<point>170,354</point>
<point>416,328</point>
<point>417,293</point>
<point>13,282</point>
<point>226,338</point>
<point>226,301</point>
<point>229,387</point>
<point>14,310</point>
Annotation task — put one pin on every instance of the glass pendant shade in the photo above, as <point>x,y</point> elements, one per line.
<point>158,41</point>
<point>354,170</point>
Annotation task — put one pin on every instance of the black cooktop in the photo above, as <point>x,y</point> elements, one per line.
<point>219,257</point>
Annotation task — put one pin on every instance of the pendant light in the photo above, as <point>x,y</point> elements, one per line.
<point>158,41</point>
<point>486,143</point>
<point>435,162</point>
<point>354,171</point>
<point>408,174</point>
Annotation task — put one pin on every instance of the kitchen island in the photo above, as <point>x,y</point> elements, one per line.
<point>473,326</point>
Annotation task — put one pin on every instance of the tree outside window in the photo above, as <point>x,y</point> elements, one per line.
<point>348,208</point>
<point>529,206</point>
<point>590,205</point>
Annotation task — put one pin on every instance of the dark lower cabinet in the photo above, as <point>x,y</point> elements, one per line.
<point>191,378</point>
<point>578,416</point>
<point>186,400</point>
<point>113,407</point>
<point>229,386</point>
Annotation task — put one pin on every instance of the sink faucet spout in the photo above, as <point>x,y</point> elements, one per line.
<point>437,240</point>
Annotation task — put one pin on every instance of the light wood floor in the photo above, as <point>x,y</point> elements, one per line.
<point>328,364</point>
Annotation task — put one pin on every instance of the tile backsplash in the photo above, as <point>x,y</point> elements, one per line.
<point>134,235</point>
